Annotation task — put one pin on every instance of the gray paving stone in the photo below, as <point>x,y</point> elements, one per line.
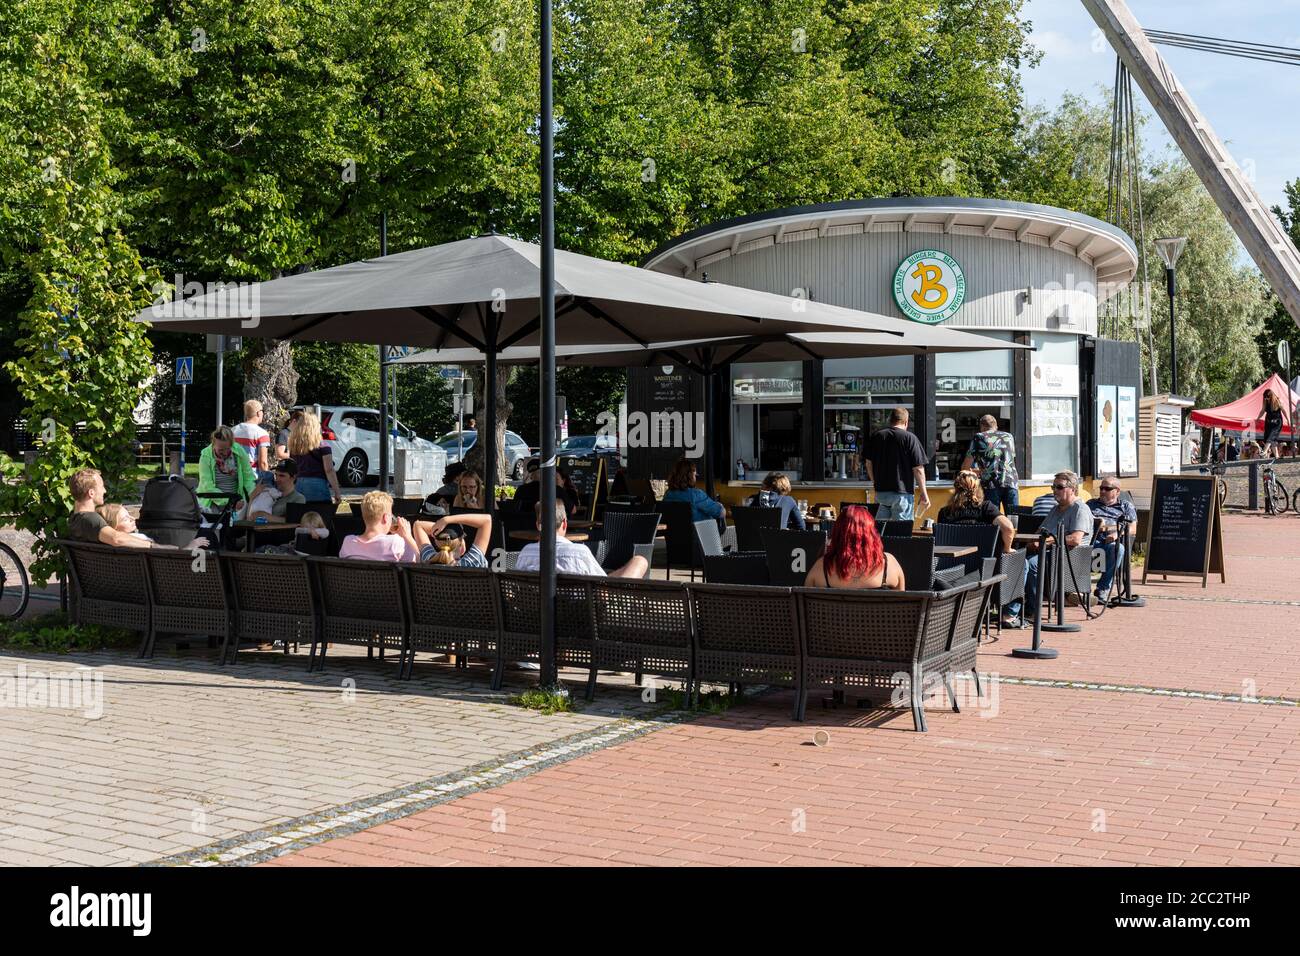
<point>125,789</point>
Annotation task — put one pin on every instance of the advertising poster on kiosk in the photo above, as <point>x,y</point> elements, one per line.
<point>1128,436</point>
<point>1107,430</point>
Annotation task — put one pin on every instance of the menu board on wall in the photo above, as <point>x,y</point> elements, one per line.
<point>1107,430</point>
<point>667,399</point>
<point>1049,379</point>
<point>1128,425</point>
<point>1053,416</point>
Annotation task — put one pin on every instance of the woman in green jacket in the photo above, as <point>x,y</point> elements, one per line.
<point>221,471</point>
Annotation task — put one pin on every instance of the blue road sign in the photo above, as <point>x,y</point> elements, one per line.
<point>185,370</point>
<point>449,371</point>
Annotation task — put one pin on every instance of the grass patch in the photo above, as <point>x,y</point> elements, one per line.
<point>52,634</point>
<point>711,702</point>
<point>545,700</point>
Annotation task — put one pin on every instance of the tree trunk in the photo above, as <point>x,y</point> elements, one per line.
<point>474,457</point>
<point>269,376</point>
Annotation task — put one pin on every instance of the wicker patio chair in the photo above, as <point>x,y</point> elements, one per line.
<point>452,611</point>
<point>680,549</point>
<point>750,520</point>
<point>643,627</point>
<point>738,567</point>
<point>361,603</point>
<point>519,595</point>
<point>915,557</point>
<point>867,642</point>
<point>188,596</point>
<point>110,587</point>
<point>274,600</point>
<point>896,528</point>
<point>789,551</point>
<point>621,532</point>
<point>975,599</point>
<point>983,537</point>
<point>746,635</point>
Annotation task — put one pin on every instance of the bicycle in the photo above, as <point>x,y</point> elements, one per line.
<point>1276,499</point>
<point>16,589</point>
<point>1221,483</point>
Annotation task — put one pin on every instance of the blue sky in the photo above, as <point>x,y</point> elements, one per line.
<point>1252,105</point>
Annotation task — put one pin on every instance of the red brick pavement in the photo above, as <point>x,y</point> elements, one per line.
<point>1049,776</point>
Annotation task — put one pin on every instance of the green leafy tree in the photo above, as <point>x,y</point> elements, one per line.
<point>1279,325</point>
<point>81,360</point>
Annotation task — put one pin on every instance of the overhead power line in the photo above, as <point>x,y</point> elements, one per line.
<point>1268,52</point>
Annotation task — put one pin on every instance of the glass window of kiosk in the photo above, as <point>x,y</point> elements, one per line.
<point>858,396</point>
<point>968,386</point>
<point>1054,406</point>
<point>767,420</point>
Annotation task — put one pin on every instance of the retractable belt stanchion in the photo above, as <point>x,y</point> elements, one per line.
<point>1126,596</point>
<point>1038,650</point>
<point>1061,556</point>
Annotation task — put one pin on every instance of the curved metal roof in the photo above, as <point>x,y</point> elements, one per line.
<point>1105,247</point>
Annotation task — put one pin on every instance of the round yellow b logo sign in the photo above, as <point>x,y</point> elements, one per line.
<point>929,286</point>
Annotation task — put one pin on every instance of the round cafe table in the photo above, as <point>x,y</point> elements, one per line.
<point>537,535</point>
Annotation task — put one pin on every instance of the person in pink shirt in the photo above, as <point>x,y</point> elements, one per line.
<point>386,538</point>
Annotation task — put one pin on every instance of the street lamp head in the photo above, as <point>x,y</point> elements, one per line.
<point>1170,249</point>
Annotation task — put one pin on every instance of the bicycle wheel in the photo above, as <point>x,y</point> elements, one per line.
<point>1280,498</point>
<point>16,590</point>
<point>1223,493</point>
<point>1295,501</point>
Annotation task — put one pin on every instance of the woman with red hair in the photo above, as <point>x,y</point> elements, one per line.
<point>855,556</point>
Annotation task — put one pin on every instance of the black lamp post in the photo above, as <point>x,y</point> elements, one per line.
<point>1170,249</point>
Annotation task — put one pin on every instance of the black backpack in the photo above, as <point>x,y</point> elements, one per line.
<point>169,510</point>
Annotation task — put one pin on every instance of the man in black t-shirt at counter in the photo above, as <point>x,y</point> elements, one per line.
<point>896,463</point>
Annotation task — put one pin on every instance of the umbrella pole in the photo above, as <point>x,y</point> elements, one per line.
<point>548,674</point>
<point>487,429</point>
<point>708,430</point>
<point>383,376</point>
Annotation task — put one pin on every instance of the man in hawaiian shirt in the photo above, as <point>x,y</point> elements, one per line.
<point>992,453</point>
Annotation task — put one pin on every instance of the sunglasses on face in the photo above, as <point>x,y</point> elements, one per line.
<point>1109,488</point>
<point>1059,487</point>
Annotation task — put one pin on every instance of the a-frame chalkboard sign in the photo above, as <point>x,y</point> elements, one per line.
<point>588,475</point>
<point>1185,532</point>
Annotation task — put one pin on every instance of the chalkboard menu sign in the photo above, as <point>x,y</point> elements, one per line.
<point>588,475</point>
<point>1185,532</point>
<point>663,402</point>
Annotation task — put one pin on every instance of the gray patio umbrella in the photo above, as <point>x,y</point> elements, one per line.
<point>705,356</point>
<point>482,293</point>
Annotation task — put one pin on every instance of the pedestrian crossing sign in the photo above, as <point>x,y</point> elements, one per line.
<point>185,370</point>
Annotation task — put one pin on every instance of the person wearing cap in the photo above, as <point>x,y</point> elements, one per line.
<point>1113,511</point>
<point>272,501</point>
<point>444,542</point>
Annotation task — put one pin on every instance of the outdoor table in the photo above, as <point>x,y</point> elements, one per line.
<point>955,550</point>
<point>1025,537</point>
<point>537,535</point>
<point>252,527</point>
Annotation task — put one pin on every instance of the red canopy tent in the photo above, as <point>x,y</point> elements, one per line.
<point>1248,411</point>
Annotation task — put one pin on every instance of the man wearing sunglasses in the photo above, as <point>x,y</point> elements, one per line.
<point>1070,521</point>
<point>1111,509</point>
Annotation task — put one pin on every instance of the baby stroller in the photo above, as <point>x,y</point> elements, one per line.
<point>171,513</point>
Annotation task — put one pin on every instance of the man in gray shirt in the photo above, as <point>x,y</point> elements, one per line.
<point>1070,521</point>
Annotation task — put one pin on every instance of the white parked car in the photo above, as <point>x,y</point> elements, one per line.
<point>517,450</point>
<point>352,433</point>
